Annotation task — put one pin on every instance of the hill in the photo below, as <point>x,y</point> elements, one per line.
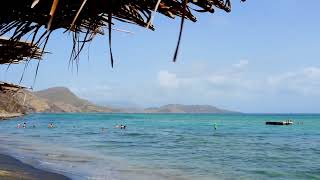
<point>58,99</point>
<point>9,104</point>
<point>179,108</point>
<point>61,99</point>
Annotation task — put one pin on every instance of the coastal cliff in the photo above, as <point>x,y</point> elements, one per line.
<point>10,105</point>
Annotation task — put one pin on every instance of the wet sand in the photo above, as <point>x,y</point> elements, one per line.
<point>13,169</point>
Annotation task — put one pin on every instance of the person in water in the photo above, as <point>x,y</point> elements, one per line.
<point>24,125</point>
<point>103,129</point>
<point>215,126</point>
<point>50,125</point>
<point>121,126</point>
<point>19,126</point>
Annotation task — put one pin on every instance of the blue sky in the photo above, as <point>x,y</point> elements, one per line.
<point>262,57</point>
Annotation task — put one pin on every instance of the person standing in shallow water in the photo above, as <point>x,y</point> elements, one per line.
<point>215,126</point>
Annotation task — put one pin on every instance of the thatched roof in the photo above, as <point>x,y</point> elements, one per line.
<point>89,16</point>
<point>9,87</point>
<point>13,52</point>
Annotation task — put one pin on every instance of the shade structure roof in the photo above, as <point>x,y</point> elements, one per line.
<point>9,87</point>
<point>13,52</point>
<point>25,18</point>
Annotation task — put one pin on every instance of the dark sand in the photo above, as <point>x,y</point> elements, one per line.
<point>13,169</point>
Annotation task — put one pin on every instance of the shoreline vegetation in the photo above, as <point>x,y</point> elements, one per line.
<point>13,169</point>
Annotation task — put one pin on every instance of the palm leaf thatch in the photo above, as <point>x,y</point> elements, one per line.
<point>88,17</point>
<point>9,87</point>
<point>13,52</point>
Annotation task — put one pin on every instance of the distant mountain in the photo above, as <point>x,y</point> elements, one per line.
<point>58,99</point>
<point>60,94</point>
<point>179,108</point>
<point>61,99</point>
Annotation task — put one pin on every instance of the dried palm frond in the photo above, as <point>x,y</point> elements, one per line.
<point>13,52</point>
<point>10,86</point>
<point>19,18</point>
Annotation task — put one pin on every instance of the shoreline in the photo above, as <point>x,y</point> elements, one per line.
<point>5,116</point>
<point>13,169</point>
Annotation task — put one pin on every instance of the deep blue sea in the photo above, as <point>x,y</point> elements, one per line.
<point>167,146</point>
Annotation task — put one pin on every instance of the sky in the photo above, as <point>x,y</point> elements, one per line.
<point>263,57</point>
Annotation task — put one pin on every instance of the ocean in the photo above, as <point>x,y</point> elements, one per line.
<point>87,146</point>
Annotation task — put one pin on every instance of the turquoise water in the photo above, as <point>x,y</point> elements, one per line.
<point>167,146</point>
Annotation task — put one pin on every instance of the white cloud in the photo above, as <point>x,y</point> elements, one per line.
<point>312,73</point>
<point>305,81</point>
<point>230,86</point>
<point>241,64</point>
<point>168,80</point>
<point>236,83</point>
<point>217,79</point>
<point>227,82</point>
<point>200,75</point>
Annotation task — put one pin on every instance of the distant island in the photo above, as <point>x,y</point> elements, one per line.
<point>61,99</point>
<point>180,108</point>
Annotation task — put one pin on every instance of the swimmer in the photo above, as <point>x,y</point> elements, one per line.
<point>19,126</point>
<point>50,125</point>
<point>24,125</point>
<point>121,126</point>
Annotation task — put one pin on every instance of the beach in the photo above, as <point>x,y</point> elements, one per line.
<point>13,169</point>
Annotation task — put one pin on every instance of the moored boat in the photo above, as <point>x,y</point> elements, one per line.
<point>289,122</point>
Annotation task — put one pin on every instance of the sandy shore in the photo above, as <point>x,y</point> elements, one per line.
<point>9,115</point>
<point>13,169</point>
